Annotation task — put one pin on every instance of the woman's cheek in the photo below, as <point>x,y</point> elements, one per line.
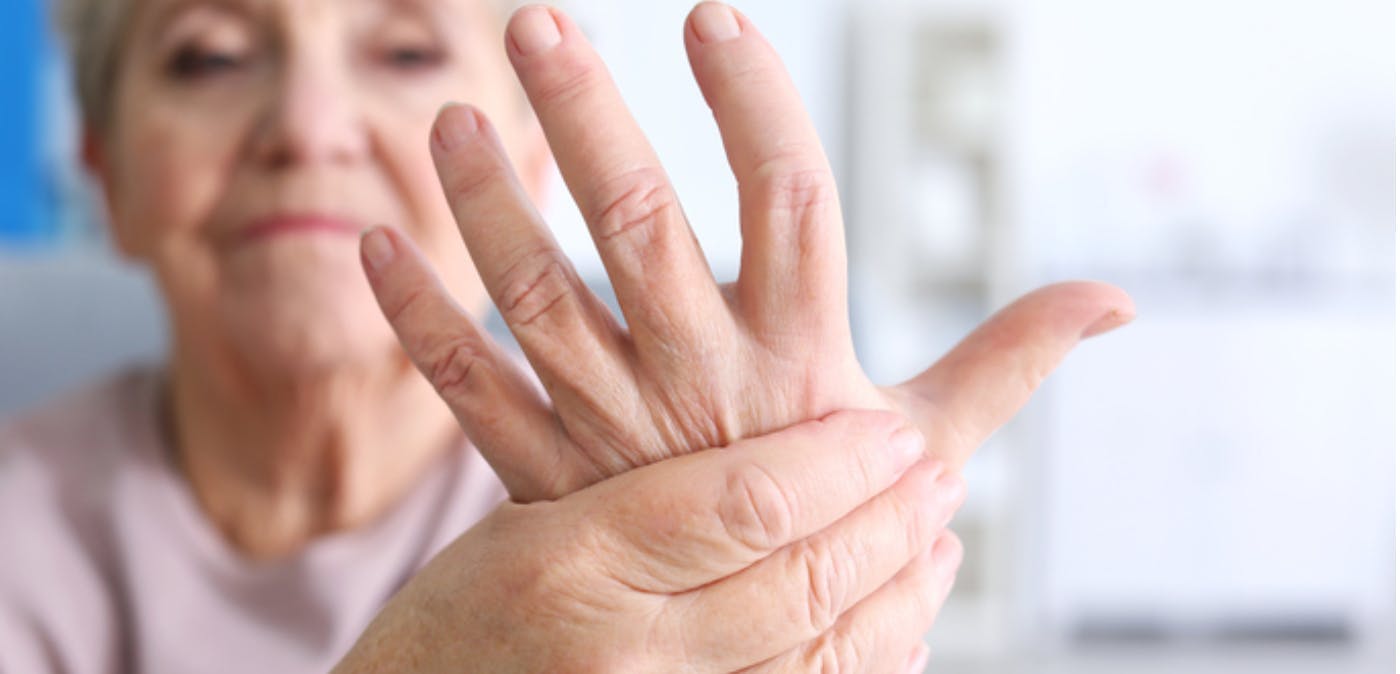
<point>401,132</point>
<point>155,201</point>
<point>172,181</point>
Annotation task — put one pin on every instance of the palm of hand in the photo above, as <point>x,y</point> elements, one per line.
<point>698,365</point>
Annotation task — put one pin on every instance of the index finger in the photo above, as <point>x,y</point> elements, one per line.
<point>689,521</point>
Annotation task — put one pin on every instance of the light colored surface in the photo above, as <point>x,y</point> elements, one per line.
<point>1226,462</point>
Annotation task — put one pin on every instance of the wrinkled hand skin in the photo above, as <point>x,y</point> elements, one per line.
<point>603,563</point>
<point>821,547</point>
<point>699,364</point>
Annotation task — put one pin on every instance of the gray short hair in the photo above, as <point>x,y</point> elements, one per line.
<point>94,32</point>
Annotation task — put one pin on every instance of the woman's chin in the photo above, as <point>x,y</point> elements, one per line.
<point>308,323</point>
<point>314,340</point>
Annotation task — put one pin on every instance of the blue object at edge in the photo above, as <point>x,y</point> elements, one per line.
<point>24,217</point>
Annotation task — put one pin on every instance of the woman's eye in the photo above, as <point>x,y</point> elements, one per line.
<point>413,58</point>
<point>194,63</point>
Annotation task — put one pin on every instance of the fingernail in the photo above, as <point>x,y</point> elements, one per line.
<point>918,660</point>
<point>456,123</point>
<point>714,22</point>
<point>534,30</point>
<point>1114,319</point>
<point>377,248</point>
<point>906,446</point>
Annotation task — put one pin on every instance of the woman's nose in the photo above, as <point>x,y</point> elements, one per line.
<point>312,115</point>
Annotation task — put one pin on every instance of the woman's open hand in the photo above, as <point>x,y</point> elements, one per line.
<point>817,548</point>
<point>698,364</point>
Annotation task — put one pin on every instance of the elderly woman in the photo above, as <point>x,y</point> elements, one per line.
<point>290,492</point>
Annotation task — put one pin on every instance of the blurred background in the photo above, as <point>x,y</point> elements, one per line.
<point>1208,490</point>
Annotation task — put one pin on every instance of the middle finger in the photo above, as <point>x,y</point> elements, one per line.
<point>663,283</point>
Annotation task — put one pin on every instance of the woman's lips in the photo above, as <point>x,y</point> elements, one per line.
<point>297,223</point>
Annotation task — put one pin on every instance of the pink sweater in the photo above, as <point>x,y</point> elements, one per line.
<point>108,565</point>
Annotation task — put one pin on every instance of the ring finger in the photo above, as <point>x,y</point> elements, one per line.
<point>563,328</point>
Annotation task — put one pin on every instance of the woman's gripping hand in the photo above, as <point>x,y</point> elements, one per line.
<point>821,547</point>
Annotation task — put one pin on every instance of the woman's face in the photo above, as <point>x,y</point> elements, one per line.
<point>252,140</point>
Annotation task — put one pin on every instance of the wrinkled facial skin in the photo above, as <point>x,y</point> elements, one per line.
<point>250,141</point>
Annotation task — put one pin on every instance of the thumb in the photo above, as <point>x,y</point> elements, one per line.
<point>979,385</point>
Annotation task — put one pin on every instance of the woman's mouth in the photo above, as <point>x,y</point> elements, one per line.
<point>285,224</point>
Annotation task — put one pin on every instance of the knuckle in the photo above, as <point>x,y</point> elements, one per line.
<point>834,653</point>
<point>465,183</point>
<point>637,202</point>
<point>756,511</point>
<point>398,309</point>
<point>828,569</point>
<point>534,286</point>
<point>450,371</point>
<point>800,195</point>
<point>565,78</point>
<point>745,75</point>
<point>800,204</point>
